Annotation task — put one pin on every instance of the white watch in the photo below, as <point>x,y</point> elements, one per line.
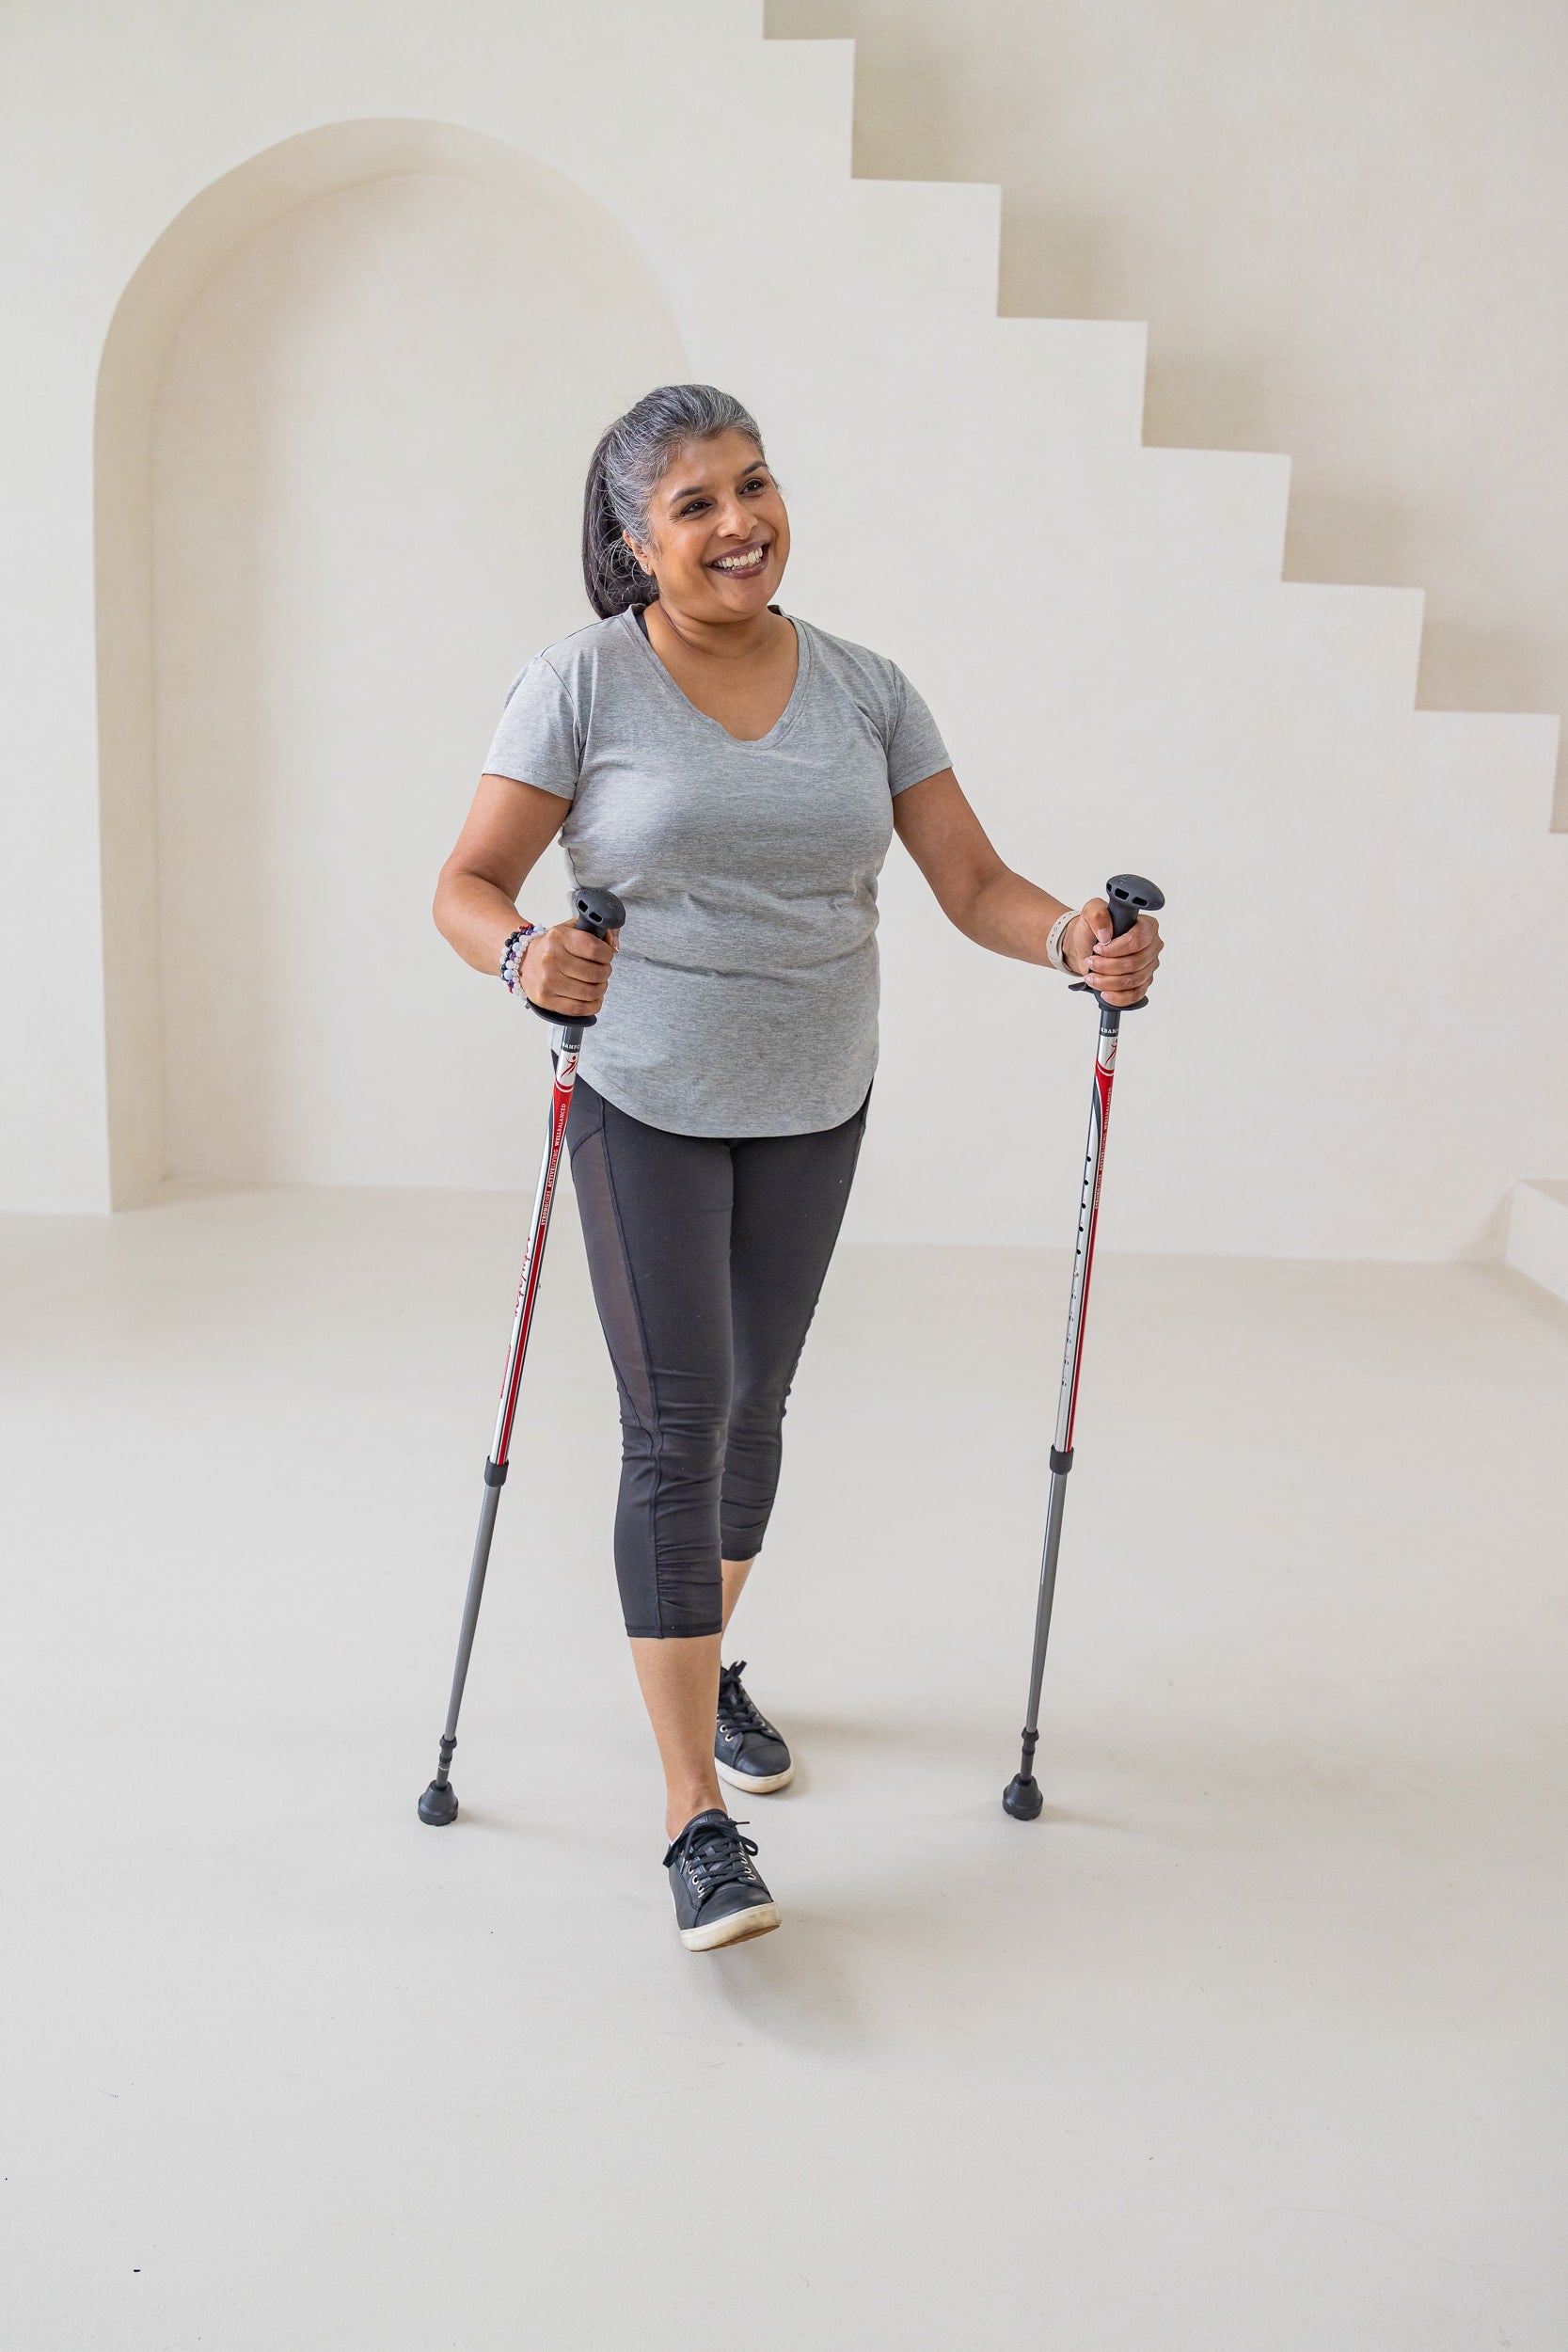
<point>1058,931</point>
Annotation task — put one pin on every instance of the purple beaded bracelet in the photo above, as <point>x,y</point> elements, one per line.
<point>512,955</point>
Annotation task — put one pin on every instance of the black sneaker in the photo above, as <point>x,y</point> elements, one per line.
<point>719,1896</point>
<point>747,1749</point>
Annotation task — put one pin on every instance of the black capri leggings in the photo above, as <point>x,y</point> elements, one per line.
<point>708,1258</point>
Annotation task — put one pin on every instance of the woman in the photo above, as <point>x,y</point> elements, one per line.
<point>736,776</point>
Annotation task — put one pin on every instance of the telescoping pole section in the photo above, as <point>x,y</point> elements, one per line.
<point>1128,896</point>
<point>597,910</point>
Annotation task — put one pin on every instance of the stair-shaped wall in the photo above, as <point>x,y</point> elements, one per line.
<point>1341,1058</point>
<point>1537,1235</point>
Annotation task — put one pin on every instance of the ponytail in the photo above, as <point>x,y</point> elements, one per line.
<point>630,462</point>
<point>615,579</point>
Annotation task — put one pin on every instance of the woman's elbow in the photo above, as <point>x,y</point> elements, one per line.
<point>442,906</point>
<point>963,902</point>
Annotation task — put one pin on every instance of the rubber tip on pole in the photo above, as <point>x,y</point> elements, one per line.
<point>438,1806</point>
<point>1020,1798</point>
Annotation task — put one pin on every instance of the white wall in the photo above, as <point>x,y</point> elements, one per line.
<point>368,454</point>
<point>1344,225</point>
<point>1101,627</point>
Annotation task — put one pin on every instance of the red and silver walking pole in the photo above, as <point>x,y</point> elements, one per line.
<point>597,910</point>
<point>1128,896</point>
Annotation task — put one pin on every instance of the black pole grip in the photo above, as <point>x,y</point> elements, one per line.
<point>1128,896</point>
<point>600,911</point>
<point>597,910</point>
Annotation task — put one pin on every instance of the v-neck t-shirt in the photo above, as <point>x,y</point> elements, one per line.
<point>743,999</point>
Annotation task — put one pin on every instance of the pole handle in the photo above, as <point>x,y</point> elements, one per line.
<point>599,912</point>
<point>1128,896</point>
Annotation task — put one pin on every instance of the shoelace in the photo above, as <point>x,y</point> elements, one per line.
<point>735,1705</point>
<point>716,1855</point>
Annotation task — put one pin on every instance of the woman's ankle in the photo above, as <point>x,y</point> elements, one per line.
<point>685,1806</point>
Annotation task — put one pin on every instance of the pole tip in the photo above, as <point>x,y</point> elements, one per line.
<point>1021,1798</point>
<point>438,1806</point>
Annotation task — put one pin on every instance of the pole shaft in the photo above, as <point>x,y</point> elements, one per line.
<point>1128,896</point>
<point>1073,1360</point>
<point>1046,1593</point>
<point>1088,1219</point>
<point>477,1567</point>
<point>566,1041</point>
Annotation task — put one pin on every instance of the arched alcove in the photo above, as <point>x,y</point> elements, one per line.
<point>342,414</point>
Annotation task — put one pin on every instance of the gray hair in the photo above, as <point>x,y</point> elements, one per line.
<point>629,464</point>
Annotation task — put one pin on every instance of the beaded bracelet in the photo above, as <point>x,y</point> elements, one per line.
<point>512,955</point>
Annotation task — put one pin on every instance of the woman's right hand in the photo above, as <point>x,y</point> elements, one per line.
<point>1119,970</point>
<point>566,971</point>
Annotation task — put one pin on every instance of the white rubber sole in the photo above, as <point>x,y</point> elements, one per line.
<point>759,1787</point>
<point>735,1930</point>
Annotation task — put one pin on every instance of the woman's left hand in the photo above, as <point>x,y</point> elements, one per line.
<point>1120,969</point>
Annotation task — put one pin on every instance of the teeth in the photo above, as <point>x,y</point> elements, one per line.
<point>750,561</point>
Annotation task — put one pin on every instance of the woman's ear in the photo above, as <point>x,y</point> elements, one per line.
<point>642,556</point>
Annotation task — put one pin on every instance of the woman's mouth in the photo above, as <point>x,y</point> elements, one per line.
<point>744,564</point>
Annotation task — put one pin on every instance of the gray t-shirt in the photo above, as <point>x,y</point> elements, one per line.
<point>743,1000</point>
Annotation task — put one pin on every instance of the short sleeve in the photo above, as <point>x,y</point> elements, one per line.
<point>538,740</point>
<point>914,748</point>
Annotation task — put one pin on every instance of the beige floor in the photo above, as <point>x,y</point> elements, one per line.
<point>1254,2044</point>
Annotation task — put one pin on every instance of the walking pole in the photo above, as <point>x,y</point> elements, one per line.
<point>597,910</point>
<point>1128,896</point>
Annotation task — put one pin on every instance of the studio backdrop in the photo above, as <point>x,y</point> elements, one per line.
<point>317,336</point>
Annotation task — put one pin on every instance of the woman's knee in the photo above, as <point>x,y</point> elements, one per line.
<point>754,1437</point>
<point>685,1445</point>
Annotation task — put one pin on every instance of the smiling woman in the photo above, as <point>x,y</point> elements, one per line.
<point>736,776</point>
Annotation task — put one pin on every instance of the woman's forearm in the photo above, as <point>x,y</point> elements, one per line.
<point>509,828</point>
<point>475,916</point>
<point>973,887</point>
<point>1013,917</point>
